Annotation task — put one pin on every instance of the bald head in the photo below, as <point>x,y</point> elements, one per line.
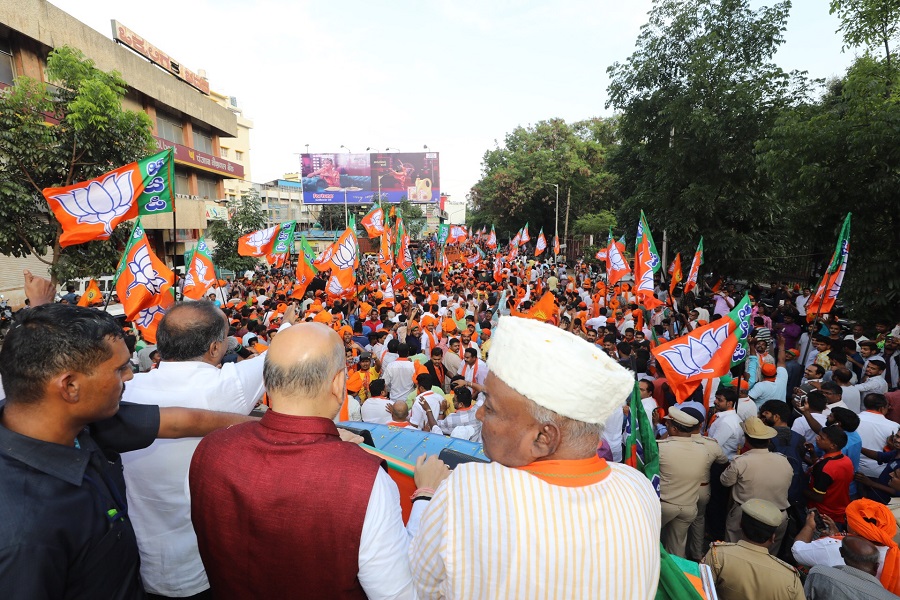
<point>399,411</point>
<point>860,553</point>
<point>189,330</point>
<point>304,371</point>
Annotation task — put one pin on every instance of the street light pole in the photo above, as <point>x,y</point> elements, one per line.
<point>556,224</point>
<point>346,216</point>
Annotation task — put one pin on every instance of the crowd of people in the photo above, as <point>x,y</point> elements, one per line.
<point>782,477</point>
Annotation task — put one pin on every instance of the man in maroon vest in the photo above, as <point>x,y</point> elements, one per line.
<point>285,509</point>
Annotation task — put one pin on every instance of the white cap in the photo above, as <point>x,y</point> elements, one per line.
<point>558,370</point>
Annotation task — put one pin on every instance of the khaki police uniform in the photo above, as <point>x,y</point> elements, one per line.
<point>747,571</point>
<point>758,474</point>
<point>697,532</point>
<point>684,464</point>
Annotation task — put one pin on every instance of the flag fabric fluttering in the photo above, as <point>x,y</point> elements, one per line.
<point>641,450</point>
<point>92,295</point>
<point>91,210</point>
<point>148,319</point>
<point>141,278</point>
<point>616,266</point>
<point>541,244</point>
<point>706,352</point>
<point>373,222</point>
<point>284,238</point>
<point>826,294</point>
<point>694,273</point>
<point>443,233</point>
<point>257,243</point>
<point>457,235</point>
<point>524,238</point>
<point>675,274</point>
<point>201,272</point>
<point>646,264</point>
<point>492,239</point>
<point>556,245</point>
<point>385,255</point>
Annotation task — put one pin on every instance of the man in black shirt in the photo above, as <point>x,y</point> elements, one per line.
<point>65,531</point>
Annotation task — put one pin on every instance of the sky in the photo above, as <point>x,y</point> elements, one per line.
<point>453,75</point>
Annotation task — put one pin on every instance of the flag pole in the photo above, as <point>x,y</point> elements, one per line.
<point>175,251</point>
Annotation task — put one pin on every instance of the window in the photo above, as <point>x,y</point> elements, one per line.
<point>181,183</point>
<point>207,188</point>
<point>6,62</point>
<point>203,141</point>
<point>223,152</point>
<point>238,155</point>
<point>169,128</point>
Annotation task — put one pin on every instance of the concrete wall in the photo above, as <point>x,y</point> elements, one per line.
<point>49,25</point>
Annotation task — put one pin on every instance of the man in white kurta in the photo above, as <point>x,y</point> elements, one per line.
<point>547,518</point>
<point>158,502</point>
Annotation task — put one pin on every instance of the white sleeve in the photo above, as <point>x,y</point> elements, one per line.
<point>383,546</point>
<point>824,551</point>
<point>249,382</point>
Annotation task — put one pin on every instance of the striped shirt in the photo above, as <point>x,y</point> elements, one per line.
<point>496,532</point>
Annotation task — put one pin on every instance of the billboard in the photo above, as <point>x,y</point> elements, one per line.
<point>358,178</point>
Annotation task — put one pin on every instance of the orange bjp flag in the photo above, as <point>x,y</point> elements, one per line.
<point>258,243</point>
<point>373,222</point>
<point>147,320</point>
<point>92,295</point>
<point>677,275</point>
<point>141,277</point>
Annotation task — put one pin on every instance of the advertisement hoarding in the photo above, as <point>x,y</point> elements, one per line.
<point>329,178</point>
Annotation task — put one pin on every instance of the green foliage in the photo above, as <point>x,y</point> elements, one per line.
<point>839,155</point>
<point>517,182</point>
<point>57,135</point>
<point>245,215</point>
<point>696,96</point>
<point>413,217</point>
<point>331,216</point>
<point>872,24</point>
<point>597,224</point>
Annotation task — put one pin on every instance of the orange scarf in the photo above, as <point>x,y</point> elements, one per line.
<point>875,522</point>
<point>569,473</point>
<point>431,339</point>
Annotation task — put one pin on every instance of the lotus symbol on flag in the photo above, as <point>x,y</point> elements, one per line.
<point>100,202</point>
<point>145,317</point>
<point>616,262</point>
<point>325,256</point>
<point>689,359</point>
<point>334,286</point>
<point>646,283</point>
<point>407,257</point>
<point>144,273</point>
<point>261,238</point>
<point>201,269</point>
<point>378,220</point>
<point>346,254</point>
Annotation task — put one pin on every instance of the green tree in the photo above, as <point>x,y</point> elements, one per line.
<point>245,215</point>
<point>518,178</point>
<point>413,217</point>
<point>872,24</point>
<point>596,224</point>
<point>840,154</point>
<point>696,96</point>
<point>57,135</point>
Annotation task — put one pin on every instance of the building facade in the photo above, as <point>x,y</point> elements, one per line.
<point>186,116</point>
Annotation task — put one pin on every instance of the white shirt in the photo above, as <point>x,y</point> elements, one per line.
<point>746,408</point>
<point>838,404</point>
<point>801,304</point>
<point>417,417</point>
<point>726,430</point>
<point>353,410</point>
<point>398,377</point>
<point>827,551</point>
<point>156,476</point>
<point>478,371</point>
<point>802,427</point>
<point>384,544</point>
<point>876,385</point>
<point>874,429</point>
<point>612,433</point>
<point>373,410</point>
<point>532,539</point>
<point>850,397</point>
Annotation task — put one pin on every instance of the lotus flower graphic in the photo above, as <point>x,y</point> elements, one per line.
<point>334,286</point>
<point>616,262</point>
<point>326,255</point>
<point>145,317</point>
<point>201,269</point>
<point>690,359</point>
<point>646,283</point>
<point>346,254</point>
<point>143,272</point>
<point>378,220</point>
<point>100,202</point>
<point>260,238</point>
